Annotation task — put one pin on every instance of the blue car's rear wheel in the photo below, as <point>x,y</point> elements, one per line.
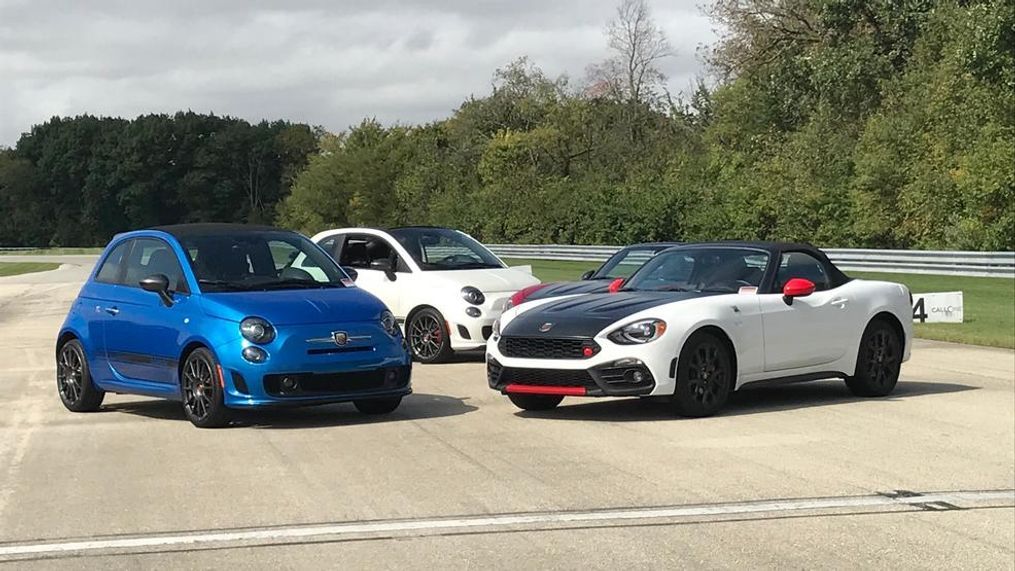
<point>202,390</point>
<point>74,381</point>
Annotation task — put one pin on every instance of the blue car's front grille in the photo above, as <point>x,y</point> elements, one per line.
<point>335,384</point>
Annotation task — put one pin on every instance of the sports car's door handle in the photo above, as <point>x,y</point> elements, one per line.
<point>112,310</point>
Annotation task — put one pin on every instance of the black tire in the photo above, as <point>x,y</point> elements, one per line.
<point>428,336</point>
<point>879,361</point>
<point>378,406</point>
<point>74,380</point>
<point>201,390</point>
<point>536,402</point>
<point>704,376</point>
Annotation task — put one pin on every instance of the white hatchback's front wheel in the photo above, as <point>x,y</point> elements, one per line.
<point>428,335</point>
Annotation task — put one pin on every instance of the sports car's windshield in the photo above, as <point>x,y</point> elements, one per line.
<point>625,262</point>
<point>723,270</point>
<point>444,249</point>
<point>258,260</point>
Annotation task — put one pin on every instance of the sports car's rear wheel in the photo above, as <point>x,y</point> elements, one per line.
<point>202,391</point>
<point>879,361</point>
<point>536,402</point>
<point>704,376</point>
<point>429,339</point>
<point>74,381</point>
<point>378,406</point>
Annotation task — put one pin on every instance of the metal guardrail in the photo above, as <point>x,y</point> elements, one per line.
<point>955,263</point>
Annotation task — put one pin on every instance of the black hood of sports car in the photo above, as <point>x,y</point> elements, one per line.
<point>587,315</point>
<point>570,288</point>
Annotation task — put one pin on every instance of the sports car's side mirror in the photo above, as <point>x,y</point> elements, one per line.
<point>588,274</point>
<point>615,285</point>
<point>158,283</point>
<point>796,287</point>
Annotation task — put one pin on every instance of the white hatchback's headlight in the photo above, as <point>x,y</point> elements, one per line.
<point>389,323</point>
<point>638,332</point>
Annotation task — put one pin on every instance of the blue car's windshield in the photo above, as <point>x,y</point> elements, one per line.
<point>259,260</point>
<point>712,269</point>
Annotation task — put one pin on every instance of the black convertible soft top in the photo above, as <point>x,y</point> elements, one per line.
<point>775,250</point>
<point>206,228</point>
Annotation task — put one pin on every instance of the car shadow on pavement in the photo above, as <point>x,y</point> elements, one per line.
<point>750,400</point>
<point>417,406</point>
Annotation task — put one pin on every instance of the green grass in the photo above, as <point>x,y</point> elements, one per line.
<point>989,303</point>
<point>16,268</point>
<point>54,252</point>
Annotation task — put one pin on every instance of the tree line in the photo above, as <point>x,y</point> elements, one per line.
<point>868,123</point>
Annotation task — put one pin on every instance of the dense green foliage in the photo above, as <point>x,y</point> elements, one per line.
<point>76,182</point>
<point>874,123</point>
<point>843,122</point>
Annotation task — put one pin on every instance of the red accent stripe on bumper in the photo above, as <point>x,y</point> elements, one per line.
<point>545,390</point>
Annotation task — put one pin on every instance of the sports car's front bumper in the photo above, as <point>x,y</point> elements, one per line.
<point>614,370</point>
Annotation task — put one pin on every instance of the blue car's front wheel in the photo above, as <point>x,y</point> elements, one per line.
<point>202,390</point>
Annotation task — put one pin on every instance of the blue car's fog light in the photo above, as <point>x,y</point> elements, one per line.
<point>254,354</point>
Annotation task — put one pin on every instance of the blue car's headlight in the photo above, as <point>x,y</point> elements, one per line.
<point>389,323</point>
<point>639,332</point>
<point>257,330</point>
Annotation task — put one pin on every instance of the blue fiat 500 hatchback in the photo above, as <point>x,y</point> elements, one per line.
<point>224,316</point>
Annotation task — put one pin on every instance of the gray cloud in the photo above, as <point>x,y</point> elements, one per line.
<point>328,63</point>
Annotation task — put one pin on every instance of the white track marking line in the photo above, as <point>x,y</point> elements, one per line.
<point>283,534</point>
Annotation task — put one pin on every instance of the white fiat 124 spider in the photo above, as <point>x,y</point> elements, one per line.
<point>697,322</point>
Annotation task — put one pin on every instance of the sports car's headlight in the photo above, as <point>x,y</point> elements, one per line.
<point>639,332</point>
<point>473,295</point>
<point>257,330</point>
<point>389,323</point>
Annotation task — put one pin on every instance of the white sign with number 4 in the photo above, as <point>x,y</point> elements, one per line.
<point>937,307</point>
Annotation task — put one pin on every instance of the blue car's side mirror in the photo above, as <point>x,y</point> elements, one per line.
<point>158,283</point>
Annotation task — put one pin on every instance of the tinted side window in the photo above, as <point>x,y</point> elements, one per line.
<point>801,265</point>
<point>153,256</point>
<point>330,245</point>
<point>362,249</point>
<point>110,271</point>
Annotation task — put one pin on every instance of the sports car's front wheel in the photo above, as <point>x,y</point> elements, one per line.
<point>536,402</point>
<point>704,376</point>
<point>878,362</point>
<point>74,381</point>
<point>429,338</point>
<point>202,391</point>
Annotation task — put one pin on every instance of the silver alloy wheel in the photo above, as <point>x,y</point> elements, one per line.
<point>426,336</point>
<point>198,386</point>
<point>70,373</point>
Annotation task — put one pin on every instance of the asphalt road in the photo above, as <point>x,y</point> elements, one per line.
<point>800,476</point>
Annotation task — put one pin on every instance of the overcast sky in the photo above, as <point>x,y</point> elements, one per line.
<point>324,62</point>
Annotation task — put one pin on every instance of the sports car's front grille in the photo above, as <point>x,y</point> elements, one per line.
<point>547,348</point>
<point>308,384</point>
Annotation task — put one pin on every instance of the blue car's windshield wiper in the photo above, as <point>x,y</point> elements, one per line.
<point>295,283</point>
<point>234,286</point>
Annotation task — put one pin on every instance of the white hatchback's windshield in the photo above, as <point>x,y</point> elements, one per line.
<point>444,249</point>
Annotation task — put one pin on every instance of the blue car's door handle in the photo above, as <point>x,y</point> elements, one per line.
<point>112,310</point>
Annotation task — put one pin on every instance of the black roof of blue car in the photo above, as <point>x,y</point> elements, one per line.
<point>203,229</point>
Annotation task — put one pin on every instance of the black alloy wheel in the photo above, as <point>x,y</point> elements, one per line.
<point>202,392</point>
<point>429,339</point>
<point>74,381</point>
<point>879,361</point>
<point>704,376</point>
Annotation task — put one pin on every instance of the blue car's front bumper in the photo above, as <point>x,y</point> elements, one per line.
<point>304,368</point>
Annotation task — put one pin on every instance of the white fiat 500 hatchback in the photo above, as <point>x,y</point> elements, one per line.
<point>445,287</point>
